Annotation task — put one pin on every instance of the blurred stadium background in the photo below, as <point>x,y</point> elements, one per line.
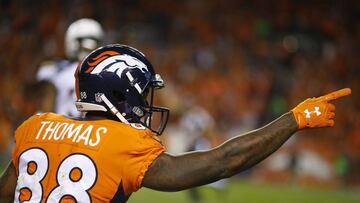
<point>230,66</point>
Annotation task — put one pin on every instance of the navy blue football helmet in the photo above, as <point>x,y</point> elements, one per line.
<point>117,80</point>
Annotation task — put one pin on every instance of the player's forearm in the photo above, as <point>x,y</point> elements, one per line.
<point>169,173</point>
<point>239,153</point>
<point>246,150</point>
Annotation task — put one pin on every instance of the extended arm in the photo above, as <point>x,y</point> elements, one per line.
<point>173,173</point>
<point>8,184</point>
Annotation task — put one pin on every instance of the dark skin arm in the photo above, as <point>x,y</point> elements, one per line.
<point>8,184</point>
<point>174,173</point>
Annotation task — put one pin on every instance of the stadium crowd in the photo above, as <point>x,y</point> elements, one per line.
<point>244,62</point>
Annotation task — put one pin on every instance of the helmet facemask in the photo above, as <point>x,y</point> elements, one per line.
<point>146,113</point>
<point>155,117</point>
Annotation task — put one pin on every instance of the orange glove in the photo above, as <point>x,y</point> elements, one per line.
<point>317,112</point>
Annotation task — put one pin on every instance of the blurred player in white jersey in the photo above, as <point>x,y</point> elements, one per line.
<point>57,76</point>
<point>199,123</point>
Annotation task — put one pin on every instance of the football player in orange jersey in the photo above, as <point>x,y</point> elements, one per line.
<point>114,150</point>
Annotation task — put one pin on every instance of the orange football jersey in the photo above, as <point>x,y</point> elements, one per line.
<point>59,159</point>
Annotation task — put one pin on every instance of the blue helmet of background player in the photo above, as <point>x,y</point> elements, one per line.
<point>119,81</point>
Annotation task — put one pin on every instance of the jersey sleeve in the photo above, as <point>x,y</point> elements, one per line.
<point>145,150</point>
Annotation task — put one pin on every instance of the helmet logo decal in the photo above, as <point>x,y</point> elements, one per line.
<point>101,57</point>
<point>96,60</point>
<point>117,64</point>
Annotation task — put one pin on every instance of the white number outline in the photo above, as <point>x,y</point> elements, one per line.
<point>17,192</point>
<point>82,174</point>
<point>17,199</point>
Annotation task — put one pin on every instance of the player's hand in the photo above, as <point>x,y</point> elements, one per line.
<point>318,112</point>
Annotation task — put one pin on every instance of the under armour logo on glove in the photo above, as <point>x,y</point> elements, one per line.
<point>324,111</point>
<point>308,113</point>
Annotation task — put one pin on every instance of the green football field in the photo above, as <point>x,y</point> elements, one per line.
<point>245,192</point>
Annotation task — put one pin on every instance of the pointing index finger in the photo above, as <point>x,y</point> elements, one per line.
<point>337,94</point>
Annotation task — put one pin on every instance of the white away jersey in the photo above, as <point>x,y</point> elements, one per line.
<point>61,75</point>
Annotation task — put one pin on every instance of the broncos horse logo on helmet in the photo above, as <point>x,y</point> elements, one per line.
<point>115,80</point>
